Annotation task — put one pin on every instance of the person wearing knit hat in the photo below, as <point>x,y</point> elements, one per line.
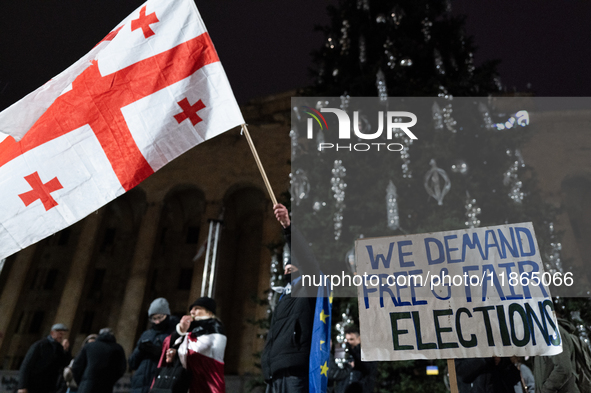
<point>145,356</point>
<point>200,340</point>
<point>42,365</point>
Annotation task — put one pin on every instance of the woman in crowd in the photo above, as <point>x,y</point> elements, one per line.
<point>201,342</point>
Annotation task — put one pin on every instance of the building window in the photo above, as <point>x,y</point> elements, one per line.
<point>50,279</point>
<point>19,323</point>
<point>34,280</point>
<point>109,238</point>
<point>192,235</point>
<point>97,282</point>
<point>87,320</point>
<point>185,279</point>
<point>36,322</point>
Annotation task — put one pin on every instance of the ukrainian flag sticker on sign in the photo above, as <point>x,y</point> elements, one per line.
<point>432,370</point>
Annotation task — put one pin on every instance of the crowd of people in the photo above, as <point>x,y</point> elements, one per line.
<point>172,356</point>
<point>187,355</point>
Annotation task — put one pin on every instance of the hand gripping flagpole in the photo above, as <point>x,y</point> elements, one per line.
<point>259,164</point>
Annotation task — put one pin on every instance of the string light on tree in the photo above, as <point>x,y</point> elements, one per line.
<point>472,210</point>
<point>294,135</point>
<point>392,207</point>
<point>406,62</point>
<point>341,326</point>
<point>439,62</point>
<point>345,98</point>
<point>554,256</point>
<point>381,85</point>
<point>319,140</point>
<point>300,186</point>
<point>362,55</point>
<point>330,43</point>
<point>459,166</point>
<point>345,40</point>
<point>511,177</point>
<point>396,14</point>
<point>338,188</point>
<point>426,29</point>
<point>470,63</point>
<point>437,117</point>
<point>483,109</point>
<point>405,141</point>
<point>388,48</point>
<point>448,120</point>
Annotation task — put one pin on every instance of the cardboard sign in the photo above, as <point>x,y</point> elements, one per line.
<point>469,293</point>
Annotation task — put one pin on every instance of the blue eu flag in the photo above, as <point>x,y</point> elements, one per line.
<point>320,350</point>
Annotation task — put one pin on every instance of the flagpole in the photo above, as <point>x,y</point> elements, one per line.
<point>259,164</point>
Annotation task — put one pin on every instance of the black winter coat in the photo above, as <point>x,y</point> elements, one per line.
<point>99,365</point>
<point>486,377</point>
<point>364,373</point>
<point>287,350</point>
<point>171,379</point>
<point>145,362</point>
<point>42,366</point>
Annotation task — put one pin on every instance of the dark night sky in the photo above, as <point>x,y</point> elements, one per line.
<point>265,45</point>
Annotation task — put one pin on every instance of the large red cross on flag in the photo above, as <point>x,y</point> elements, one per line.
<point>148,92</point>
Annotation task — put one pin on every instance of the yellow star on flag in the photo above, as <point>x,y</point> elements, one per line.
<point>330,297</point>
<point>321,342</point>
<point>324,369</point>
<point>323,316</point>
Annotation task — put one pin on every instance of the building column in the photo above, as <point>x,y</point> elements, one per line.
<point>14,286</point>
<point>138,278</point>
<point>72,292</point>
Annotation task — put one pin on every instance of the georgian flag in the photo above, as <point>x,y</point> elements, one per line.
<point>149,91</point>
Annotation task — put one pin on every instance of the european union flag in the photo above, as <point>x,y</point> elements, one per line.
<point>320,350</point>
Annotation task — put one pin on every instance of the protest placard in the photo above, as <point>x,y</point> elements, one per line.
<point>468,293</point>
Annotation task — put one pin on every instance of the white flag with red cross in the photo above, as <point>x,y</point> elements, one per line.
<point>150,90</point>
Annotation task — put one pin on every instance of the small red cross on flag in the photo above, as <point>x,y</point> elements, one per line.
<point>41,191</point>
<point>189,111</point>
<point>143,22</point>
<point>110,120</point>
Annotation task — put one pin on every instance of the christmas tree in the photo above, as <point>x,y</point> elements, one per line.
<point>465,171</point>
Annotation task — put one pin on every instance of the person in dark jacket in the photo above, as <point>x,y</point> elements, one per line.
<point>360,373</point>
<point>145,356</point>
<point>44,362</point>
<point>558,373</point>
<point>487,375</point>
<point>171,377</point>
<point>286,356</point>
<point>100,364</point>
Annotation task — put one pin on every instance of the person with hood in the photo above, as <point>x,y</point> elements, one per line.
<point>100,364</point>
<point>144,358</point>
<point>68,376</point>
<point>286,356</point>
<point>43,363</point>
<point>201,342</point>
<point>557,374</point>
